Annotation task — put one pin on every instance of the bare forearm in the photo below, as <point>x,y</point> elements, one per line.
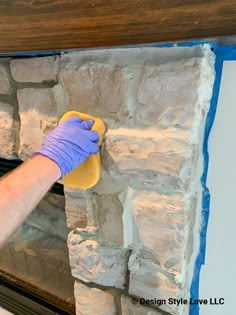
<point>21,191</point>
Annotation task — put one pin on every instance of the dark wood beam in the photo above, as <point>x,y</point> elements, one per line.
<point>36,25</point>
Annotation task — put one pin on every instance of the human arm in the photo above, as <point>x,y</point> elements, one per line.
<point>21,191</point>
<point>66,147</point>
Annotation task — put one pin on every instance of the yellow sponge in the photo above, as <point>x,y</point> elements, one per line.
<point>87,174</point>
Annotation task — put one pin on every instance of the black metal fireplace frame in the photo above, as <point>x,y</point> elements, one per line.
<point>24,299</point>
<point>9,165</point>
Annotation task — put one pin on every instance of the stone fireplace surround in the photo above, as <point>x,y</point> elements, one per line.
<point>136,233</point>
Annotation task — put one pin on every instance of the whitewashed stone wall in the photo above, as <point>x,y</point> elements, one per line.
<point>136,233</point>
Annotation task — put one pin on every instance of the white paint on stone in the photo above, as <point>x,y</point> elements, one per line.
<point>34,70</point>
<point>193,225</point>
<point>167,93</point>
<point>96,89</point>
<point>181,263</point>
<point>162,151</point>
<point>61,100</point>
<point>131,234</point>
<point>154,151</point>
<point>94,260</point>
<point>148,281</point>
<point>132,56</point>
<point>159,224</point>
<point>154,229</point>
<point>92,301</point>
<point>109,216</point>
<point>5,85</point>
<point>6,130</point>
<point>38,116</point>
<point>106,82</point>
<point>109,184</point>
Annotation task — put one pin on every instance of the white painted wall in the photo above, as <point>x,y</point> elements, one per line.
<point>218,276</point>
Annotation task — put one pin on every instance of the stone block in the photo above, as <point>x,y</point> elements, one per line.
<point>97,89</point>
<point>130,307</point>
<point>6,130</point>
<point>167,94</point>
<point>155,224</point>
<point>93,260</point>
<point>34,70</point>
<point>147,281</point>
<point>5,85</point>
<point>110,225</point>
<point>92,301</point>
<point>81,207</point>
<point>164,151</point>
<point>38,116</point>
<point>160,223</point>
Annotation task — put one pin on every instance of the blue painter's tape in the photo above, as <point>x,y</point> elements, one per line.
<point>66,51</point>
<point>31,54</point>
<point>154,45</point>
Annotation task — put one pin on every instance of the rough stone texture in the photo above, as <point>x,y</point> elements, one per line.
<point>5,85</point>
<point>110,219</point>
<point>6,130</point>
<point>34,69</point>
<point>154,226</point>
<point>92,301</point>
<point>167,94</point>
<point>96,261</point>
<point>147,281</point>
<point>96,89</point>
<point>80,208</point>
<point>38,115</point>
<point>159,222</point>
<point>130,307</point>
<point>151,155</point>
<point>85,208</point>
<point>161,151</point>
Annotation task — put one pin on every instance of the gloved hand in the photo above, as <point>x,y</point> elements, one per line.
<point>70,144</point>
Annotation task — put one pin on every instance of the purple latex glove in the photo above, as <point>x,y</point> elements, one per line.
<point>70,144</point>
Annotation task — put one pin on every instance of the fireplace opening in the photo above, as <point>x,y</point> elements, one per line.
<point>35,260</point>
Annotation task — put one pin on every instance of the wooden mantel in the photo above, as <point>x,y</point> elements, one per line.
<point>37,25</point>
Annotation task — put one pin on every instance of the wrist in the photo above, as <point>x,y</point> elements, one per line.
<point>48,165</point>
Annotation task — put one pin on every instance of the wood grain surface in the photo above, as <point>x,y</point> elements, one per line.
<point>36,25</point>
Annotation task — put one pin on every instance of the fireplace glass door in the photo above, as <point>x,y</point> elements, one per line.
<point>36,257</point>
